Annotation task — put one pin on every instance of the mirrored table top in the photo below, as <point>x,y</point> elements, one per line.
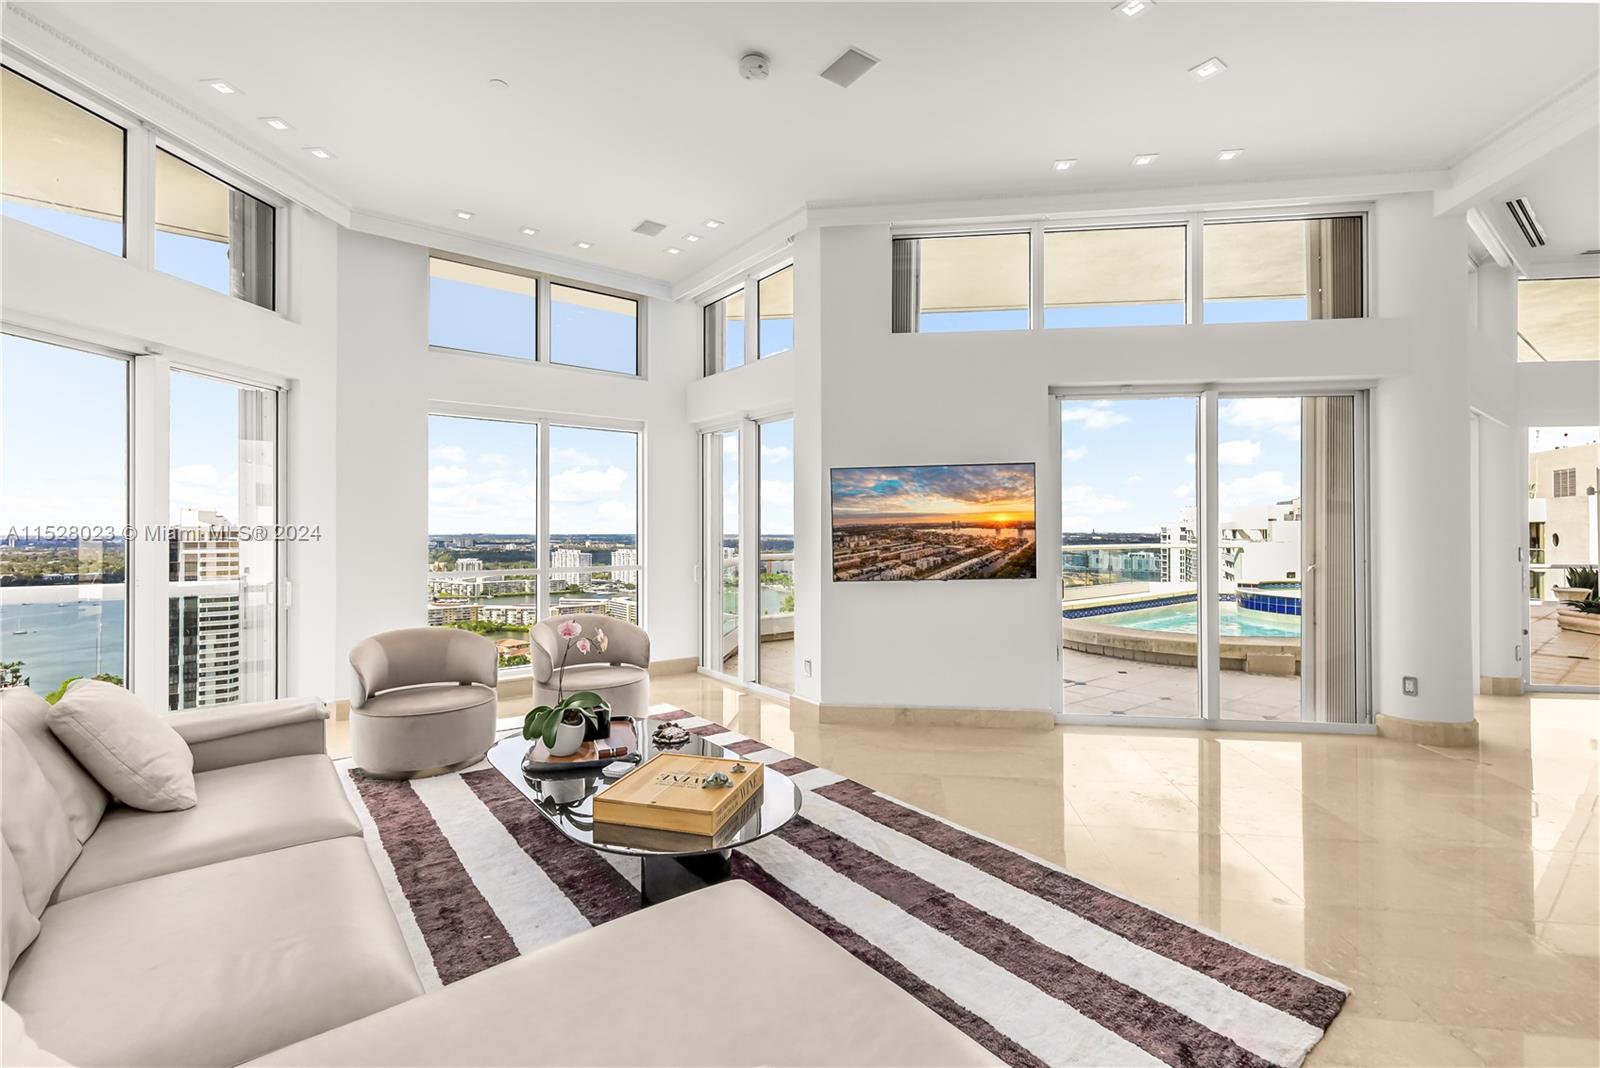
<point>566,799</point>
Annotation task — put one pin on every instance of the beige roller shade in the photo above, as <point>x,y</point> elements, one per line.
<point>585,298</point>
<point>1255,260</point>
<point>1558,319</point>
<point>189,201</point>
<point>1144,265</point>
<point>56,154</point>
<point>472,275</point>
<point>776,298</point>
<point>981,273</point>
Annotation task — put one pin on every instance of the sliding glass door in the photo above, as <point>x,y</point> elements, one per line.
<point>1213,557</point>
<point>1563,552</point>
<point>722,641</point>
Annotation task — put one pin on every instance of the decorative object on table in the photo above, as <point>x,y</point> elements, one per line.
<point>576,718</point>
<point>738,768</point>
<point>668,736</point>
<point>610,657</point>
<point>618,768</point>
<point>669,792</point>
<point>621,744</point>
<point>424,701</point>
<point>717,780</point>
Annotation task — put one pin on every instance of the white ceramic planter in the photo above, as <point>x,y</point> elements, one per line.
<point>569,736</point>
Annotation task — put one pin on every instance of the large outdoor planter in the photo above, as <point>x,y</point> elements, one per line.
<point>1571,593</point>
<point>1572,619</point>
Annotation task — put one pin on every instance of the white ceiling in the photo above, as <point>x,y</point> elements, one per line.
<point>1564,189</point>
<point>617,113</point>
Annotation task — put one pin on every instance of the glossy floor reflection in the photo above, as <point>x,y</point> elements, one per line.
<point>1457,892</point>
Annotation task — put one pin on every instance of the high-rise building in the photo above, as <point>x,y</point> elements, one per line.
<point>571,560</point>
<point>626,564</point>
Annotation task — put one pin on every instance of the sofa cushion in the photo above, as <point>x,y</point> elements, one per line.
<point>215,965</point>
<point>82,797</point>
<point>426,700</point>
<point>765,987</point>
<point>596,676</point>
<point>32,822</point>
<point>138,759</point>
<point>18,925</point>
<point>243,810</point>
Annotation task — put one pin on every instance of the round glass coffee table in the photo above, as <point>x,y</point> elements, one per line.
<point>671,863</point>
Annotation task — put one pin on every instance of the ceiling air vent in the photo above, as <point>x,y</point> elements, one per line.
<point>1522,211</point>
<point>844,71</point>
<point>1590,252</point>
<point>649,228</point>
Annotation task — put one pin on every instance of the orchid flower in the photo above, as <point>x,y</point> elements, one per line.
<point>600,639</point>
<point>583,646</point>
<point>569,629</point>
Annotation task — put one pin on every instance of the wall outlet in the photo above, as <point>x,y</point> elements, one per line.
<point>1408,686</point>
<point>805,668</point>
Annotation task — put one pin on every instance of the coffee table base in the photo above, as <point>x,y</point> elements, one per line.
<point>664,878</point>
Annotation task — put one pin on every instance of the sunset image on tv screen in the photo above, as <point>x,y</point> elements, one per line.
<point>956,521</point>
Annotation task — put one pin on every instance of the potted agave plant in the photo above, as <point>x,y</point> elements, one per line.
<point>564,725</point>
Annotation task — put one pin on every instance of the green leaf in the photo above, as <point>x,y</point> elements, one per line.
<point>532,723</point>
<point>550,726</point>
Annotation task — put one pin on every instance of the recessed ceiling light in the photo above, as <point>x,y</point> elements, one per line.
<point>463,214</point>
<point>1131,8</point>
<point>673,251</point>
<point>1230,154</point>
<point>1145,159</point>
<point>276,123</point>
<point>712,224</point>
<point>1063,164</point>
<point>691,237</point>
<point>584,244</point>
<point>528,231</point>
<point>1208,69</point>
<point>220,86</point>
<point>320,153</point>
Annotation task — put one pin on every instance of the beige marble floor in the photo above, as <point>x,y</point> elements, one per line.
<point>1457,892</point>
<point>1560,657</point>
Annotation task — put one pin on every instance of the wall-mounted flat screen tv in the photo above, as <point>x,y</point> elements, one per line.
<point>913,524</point>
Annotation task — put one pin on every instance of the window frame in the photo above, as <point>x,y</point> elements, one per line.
<point>159,142</point>
<point>1194,223</point>
<point>132,131</point>
<point>542,341</point>
<point>749,282</point>
<point>543,421</point>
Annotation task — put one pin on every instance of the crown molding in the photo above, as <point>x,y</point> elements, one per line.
<point>750,255</point>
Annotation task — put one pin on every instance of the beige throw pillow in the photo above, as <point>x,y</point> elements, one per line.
<point>140,760</point>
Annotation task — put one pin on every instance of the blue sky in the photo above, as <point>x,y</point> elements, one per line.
<point>888,494</point>
<point>1128,464</point>
<point>484,319</point>
<point>483,478</point>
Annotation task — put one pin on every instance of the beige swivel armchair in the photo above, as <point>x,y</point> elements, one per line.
<point>424,701</point>
<point>621,674</point>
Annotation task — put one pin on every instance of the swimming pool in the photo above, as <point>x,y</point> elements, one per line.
<point>1180,619</point>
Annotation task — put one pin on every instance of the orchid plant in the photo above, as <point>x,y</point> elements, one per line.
<point>579,707</point>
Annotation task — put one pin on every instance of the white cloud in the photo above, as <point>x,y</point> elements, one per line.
<point>1184,492</point>
<point>775,454</point>
<point>580,484</point>
<point>1097,416</point>
<point>1085,498</point>
<point>572,458</point>
<point>448,454</point>
<point>1188,460</point>
<point>203,487</point>
<point>495,459</point>
<point>1267,487</point>
<point>1075,522</point>
<point>1134,480</point>
<point>1072,456</point>
<point>1240,453</point>
<point>446,475</point>
<point>1281,415</point>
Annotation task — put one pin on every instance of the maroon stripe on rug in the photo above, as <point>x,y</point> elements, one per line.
<point>974,1026</point>
<point>792,766</point>
<point>1154,1026</point>
<point>462,933</point>
<point>746,747</point>
<point>708,729</point>
<point>1266,981</point>
<point>669,717</point>
<point>597,890</point>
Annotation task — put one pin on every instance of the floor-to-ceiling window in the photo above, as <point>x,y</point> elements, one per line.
<point>64,510</point>
<point>776,517</point>
<point>594,522</point>
<point>223,541</point>
<point>723,563</point>
<point>1212,557</point>
<point>1563,554</point>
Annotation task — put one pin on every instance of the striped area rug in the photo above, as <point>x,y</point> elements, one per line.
<point>1039,967</point>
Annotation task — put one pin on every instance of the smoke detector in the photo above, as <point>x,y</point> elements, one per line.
<point>754,67</point>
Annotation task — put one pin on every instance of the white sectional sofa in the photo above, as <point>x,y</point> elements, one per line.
<point>253,928</point>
